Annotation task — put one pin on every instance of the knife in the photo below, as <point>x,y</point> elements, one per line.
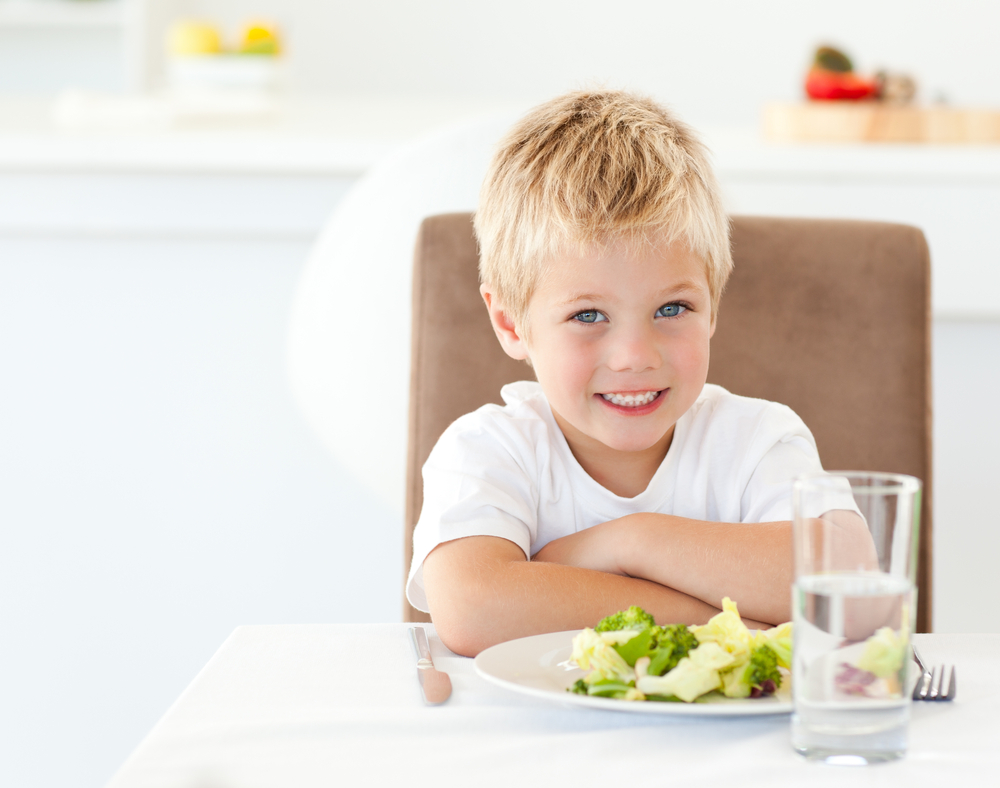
<point>435,685</point>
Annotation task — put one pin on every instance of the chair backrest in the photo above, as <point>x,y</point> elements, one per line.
<point>831,318</point>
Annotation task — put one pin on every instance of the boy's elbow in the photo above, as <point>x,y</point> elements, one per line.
<point>463,638</point>
<point>467,623</point>
<point>462,580</point>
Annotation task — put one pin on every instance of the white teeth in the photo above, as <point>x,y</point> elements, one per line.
<point>631,400</point>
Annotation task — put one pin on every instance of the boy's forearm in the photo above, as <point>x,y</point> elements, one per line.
<point>749,562</point>
<point>479,598</point>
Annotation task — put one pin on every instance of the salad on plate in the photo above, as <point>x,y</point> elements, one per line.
<point>630,657</point>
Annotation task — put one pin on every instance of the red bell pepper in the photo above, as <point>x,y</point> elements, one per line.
<point>822,83</point>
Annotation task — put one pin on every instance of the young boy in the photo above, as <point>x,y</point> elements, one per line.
<point>619,478</point>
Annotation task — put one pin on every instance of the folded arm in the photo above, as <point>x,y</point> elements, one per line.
<point>749,562</point>
<point>481,590</point>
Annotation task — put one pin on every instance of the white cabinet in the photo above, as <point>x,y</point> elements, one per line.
<point>951,192</point>
<point>50,45</point>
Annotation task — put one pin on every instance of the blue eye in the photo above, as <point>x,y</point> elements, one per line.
<point>589,316</point>
<point>671,310</point>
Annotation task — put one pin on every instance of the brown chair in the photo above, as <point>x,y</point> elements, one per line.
<point>831,318</point>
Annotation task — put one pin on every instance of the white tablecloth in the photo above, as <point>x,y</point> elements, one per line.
<point>339,705</point>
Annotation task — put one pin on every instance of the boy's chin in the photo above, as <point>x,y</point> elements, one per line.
<point>633,444</point>
<point>598,434</point>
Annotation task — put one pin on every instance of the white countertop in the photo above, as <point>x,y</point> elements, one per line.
<point>742,153</point>
<point>346,135</point>
<point>239,135</point>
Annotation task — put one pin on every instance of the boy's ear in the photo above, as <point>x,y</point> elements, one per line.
<point>510,337</point>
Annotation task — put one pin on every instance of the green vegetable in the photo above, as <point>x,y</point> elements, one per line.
<point>631,658</point>
<point>633,618</point>
<point>665,646</point>
<point>832,59</point>
<point>779,640</point>
<point>592,652</point>
<point>609,688</point>
<point>884,653</point>
<point>758,676</point>
<point>637,647</point>
<point>728,630</point>
<point>673,642</point>
<point>734,681</point>
<point>579,687</point>
<point>664,698</point>
<point>694,675</point>
<point>606,688</point>
<point>763,667</point>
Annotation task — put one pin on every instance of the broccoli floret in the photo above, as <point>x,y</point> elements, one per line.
<point>762,673</point>
<point>579,687</point>
<point>678,634</point>
<point>670,644</point>
<point>633,618</point>
<point>665,646</point>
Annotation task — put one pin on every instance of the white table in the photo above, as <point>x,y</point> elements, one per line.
<point>324,705</point>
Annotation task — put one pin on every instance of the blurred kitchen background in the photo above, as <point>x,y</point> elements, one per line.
<point>159,485</point>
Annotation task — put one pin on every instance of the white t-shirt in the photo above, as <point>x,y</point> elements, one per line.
<point>507,471</point>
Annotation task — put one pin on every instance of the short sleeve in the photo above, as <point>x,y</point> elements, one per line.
<point>476,483</point>
<point>784,448</point>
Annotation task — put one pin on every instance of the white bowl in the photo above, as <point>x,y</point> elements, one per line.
<point>236,72</point>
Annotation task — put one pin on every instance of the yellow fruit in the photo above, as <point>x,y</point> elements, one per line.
<point>260,38</point>
<point>193,37</point>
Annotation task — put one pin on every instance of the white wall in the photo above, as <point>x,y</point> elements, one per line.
<point>713,61</point>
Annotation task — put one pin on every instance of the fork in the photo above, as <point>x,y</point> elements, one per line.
<point>936,684</point>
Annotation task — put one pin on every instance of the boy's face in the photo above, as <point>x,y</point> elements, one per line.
<point>619,341</point>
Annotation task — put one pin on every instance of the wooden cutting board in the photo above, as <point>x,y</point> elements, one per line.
<point>872,121</point>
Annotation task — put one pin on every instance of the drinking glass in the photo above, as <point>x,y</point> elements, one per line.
<point>855,537</point>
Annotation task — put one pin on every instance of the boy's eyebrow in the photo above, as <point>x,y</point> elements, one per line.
<point>582,297</point>
<point>678,289</point>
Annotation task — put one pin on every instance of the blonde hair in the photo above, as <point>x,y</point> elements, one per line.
<point>591,169</point>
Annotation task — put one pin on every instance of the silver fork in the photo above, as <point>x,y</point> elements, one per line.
<point>936,684</point>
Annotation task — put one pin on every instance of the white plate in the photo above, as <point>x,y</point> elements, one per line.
<point>536,666</point>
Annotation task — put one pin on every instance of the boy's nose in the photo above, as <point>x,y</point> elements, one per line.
<point>634,351</point>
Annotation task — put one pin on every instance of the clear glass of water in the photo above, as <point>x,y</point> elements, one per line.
<point>854,602</point>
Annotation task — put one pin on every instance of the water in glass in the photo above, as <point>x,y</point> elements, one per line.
<point>850,664</point>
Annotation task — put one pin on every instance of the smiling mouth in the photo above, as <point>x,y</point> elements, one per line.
<point>634,399</point>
